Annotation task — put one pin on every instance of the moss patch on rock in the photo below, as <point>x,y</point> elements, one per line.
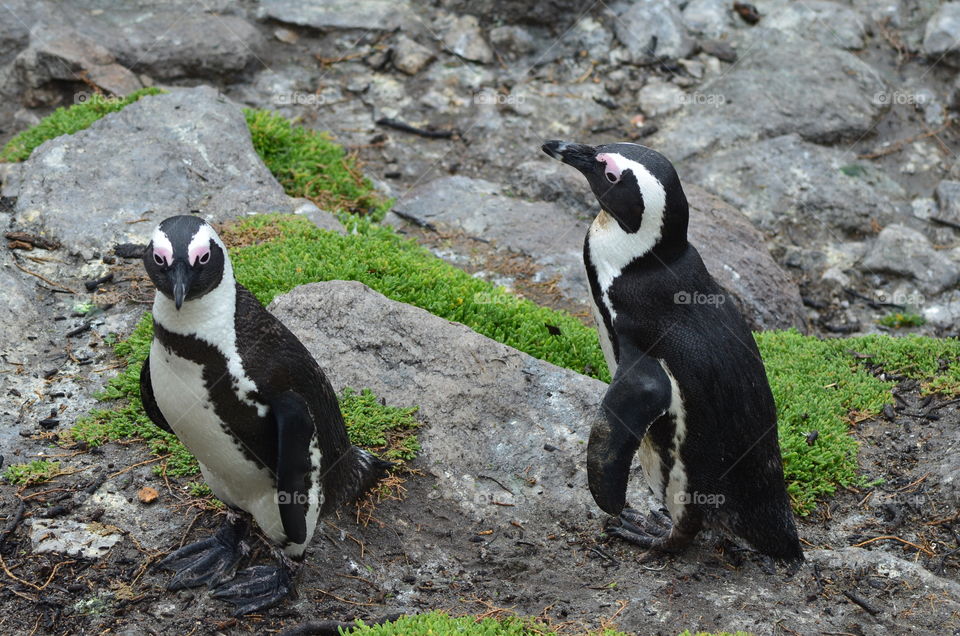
<point>68,120</point>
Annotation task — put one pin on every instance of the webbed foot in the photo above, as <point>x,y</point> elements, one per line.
<point>209,561</point>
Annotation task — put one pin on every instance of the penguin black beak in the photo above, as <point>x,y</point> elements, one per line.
<point>580,156</point>
<point>610,452</point>
<point>180,279</point>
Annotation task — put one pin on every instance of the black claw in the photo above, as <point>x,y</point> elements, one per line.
<point>207,562</point>
<point>256,588</point>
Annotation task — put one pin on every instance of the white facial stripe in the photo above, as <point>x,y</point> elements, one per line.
<point>200,243</point>
<point>611,248</point>
<point>162,246</point>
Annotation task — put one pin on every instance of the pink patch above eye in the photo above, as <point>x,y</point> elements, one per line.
<point>611,166</point>
<point>201,254</point>
<point>165,254</point>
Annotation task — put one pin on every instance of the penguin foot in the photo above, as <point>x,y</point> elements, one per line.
<point>209,561</point>
<point>257,588</point>
<point>654,531</point>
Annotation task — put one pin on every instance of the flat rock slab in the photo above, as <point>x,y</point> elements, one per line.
<point>552,236</point>
<point>380,15</point>
<point>492,409</point>
<point>481,209</point>
<point>72,538</point>
<point>185,151</point>
<point>735,254</point>
<point>788,183</point>
<point>778,87</point>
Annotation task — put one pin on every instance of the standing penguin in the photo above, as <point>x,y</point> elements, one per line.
<point>689,389</point>
<point>249,401</point>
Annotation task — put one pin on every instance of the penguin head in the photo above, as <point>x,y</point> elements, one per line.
<point>635,185</point>
<point>185,258</point>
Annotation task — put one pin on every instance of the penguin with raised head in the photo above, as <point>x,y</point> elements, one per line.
<point>689,390</point>
<point>249,401</point>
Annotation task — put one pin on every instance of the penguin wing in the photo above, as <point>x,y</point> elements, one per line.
<point>639,393</point>
<point>294,428</point>
<point>149,402</point>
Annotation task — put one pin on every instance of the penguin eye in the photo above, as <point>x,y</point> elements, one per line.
<point>612,178</point>
<point>158,259</point>
<point>204,258</point>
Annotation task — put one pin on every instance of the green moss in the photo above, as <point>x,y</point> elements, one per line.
<point>30,474</point>
<point>308,164</point>
<point>439,623</point>
<point>404,271</point>
<point>898,320</point>
<point>387,430</point>
<point>66,121</point>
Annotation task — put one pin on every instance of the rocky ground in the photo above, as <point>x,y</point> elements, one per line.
<point>817,145</point>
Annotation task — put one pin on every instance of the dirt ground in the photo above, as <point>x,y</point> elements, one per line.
<point>422,553</point>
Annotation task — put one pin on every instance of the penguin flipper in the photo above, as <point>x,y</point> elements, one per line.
<point>639,394</point>
<point>150,402</point>
<point>295,429</point>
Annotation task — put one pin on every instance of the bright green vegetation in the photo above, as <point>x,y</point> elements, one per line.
<point>439,623</point>
<point>388,430</point>
<point>66,121</point>
<point>824,385</point>
<point>899,320</point>
<point>31,474</point>
<point>308,164</point>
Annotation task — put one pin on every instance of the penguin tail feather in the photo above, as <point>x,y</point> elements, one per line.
<point>366,470</point>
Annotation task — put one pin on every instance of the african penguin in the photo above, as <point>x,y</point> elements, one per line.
<point>689,389</point>
<point>249,401</point>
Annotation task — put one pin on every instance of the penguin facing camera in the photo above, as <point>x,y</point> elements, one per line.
<point>248,400</point>
<point>689,389</point>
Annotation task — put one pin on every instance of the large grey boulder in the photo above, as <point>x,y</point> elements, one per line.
<point>776,88</point>
<point>170,44</point>
<point>941,38</point>
<point>60,53</point>
<point>174,38</point>
<point>384,15</point>
<point>490,408</point>
<point>551,234</point>
<point>169,154</point>
<point>653,30</point>
<point>903,251</point>
<point>16,16</point>
<point>830,23</point>
<point>788,183</point>
<point>736,254</point>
